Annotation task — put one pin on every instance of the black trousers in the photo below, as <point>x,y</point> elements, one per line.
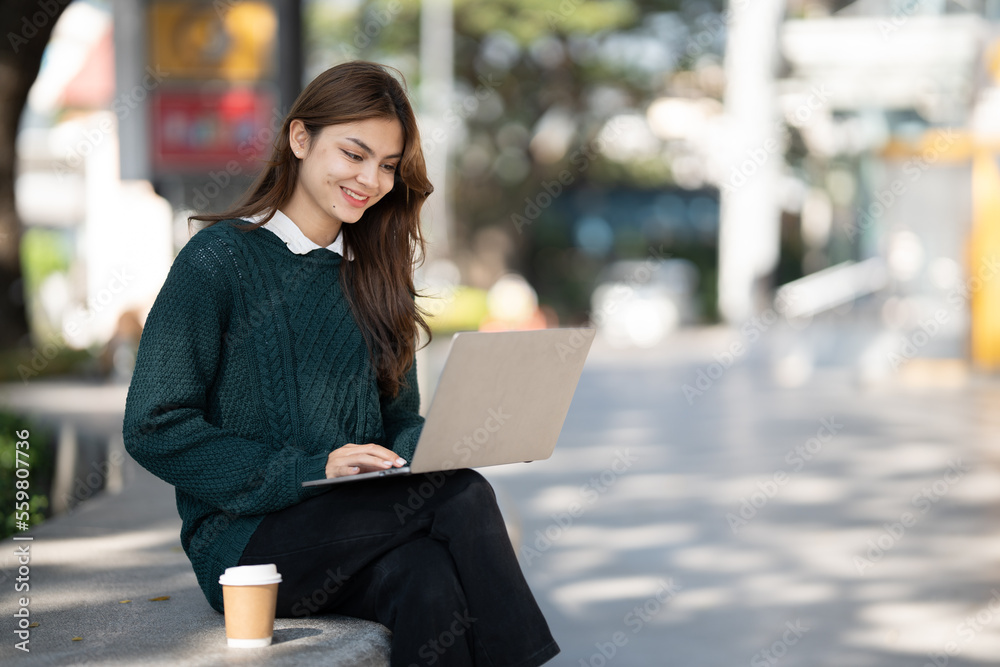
<point>427,556</point>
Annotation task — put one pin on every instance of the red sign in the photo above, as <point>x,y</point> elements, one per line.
<point>196,130</point>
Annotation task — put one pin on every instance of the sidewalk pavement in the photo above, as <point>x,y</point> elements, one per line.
<point>794,513</point>
<point>798,512</point>
<point>94,571</point>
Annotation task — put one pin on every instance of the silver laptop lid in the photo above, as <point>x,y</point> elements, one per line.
<point>502,398</point>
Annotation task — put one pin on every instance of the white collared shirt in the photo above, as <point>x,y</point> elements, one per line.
<point>286,230</point>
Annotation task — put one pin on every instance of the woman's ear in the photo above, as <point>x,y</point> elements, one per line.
<point>298,138</point>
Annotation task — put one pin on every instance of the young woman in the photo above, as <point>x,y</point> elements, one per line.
<point>280,350</point>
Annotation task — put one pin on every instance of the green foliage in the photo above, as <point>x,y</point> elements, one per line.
<point>461,310</point>
<point>23,365</point>
<point>529,20</point>
<point>43,252</point>
<point>643,173</point>
<point>590,59</point>
<point>40,469</point>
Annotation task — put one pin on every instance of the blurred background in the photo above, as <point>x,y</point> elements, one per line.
<point>775,213</point>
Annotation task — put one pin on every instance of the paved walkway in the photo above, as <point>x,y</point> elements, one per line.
<point>788,515</point>
<point>779,518</point>
<point>95,570</point>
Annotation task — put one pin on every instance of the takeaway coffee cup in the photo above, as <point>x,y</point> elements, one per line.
<point>250,594</point>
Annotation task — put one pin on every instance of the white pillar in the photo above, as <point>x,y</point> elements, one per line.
<point>436,86</point>
<point>131,47</point>
<point>750,215</point>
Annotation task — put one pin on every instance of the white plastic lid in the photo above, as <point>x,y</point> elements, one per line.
<point>251,575</point>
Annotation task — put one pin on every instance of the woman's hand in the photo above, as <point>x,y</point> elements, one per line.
<point>352,459</point>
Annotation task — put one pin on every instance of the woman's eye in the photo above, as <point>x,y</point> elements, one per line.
<point>353,156</point>
<point>391,168</point>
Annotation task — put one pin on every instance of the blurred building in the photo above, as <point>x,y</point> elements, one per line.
<point>141,113</point>
<point>897,163</point>
<point>852,143</point>
<point>891,153</point>
<point>223,74</point>
<point>858,139</point>
<point>95,246</point>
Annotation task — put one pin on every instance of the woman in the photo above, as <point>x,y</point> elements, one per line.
<point>280,350</point>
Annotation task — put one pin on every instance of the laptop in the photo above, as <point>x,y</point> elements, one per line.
<point>502,398</point>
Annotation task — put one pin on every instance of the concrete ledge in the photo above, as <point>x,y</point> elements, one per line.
<point>126,547</point>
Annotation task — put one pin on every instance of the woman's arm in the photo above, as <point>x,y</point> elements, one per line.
<point>401,417</point>
<point>165,427</point>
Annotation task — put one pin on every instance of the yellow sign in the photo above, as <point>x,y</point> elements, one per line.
<point>228,39</point>
<point>982,285</point>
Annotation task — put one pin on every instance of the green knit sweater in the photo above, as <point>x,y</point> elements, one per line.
<point>251,370</point>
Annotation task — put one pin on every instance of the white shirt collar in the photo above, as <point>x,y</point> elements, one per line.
<point>286,230</point>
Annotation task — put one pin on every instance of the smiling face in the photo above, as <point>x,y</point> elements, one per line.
<point>343,171</point>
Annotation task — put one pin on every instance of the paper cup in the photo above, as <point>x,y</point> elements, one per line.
<point>250,595</point>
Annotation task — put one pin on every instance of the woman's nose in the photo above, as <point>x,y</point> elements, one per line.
<point>368,174</point>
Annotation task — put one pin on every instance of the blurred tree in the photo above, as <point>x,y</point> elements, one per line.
<point>25,28</point>
<point>536,82</point>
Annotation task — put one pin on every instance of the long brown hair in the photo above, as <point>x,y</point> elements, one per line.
<point>378,281</point>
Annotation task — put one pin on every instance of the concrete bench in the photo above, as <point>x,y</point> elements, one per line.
<point>126,546</point>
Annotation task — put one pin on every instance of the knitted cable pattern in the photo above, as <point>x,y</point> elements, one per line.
<point>251,369</point>
<point>277,363</point>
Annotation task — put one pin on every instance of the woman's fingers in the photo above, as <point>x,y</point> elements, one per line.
<point>352,459</point>
<point>371,455</point>
<point>370,461</point>
<point>344,471</point>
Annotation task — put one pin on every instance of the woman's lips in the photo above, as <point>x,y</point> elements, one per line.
<point>355,199</point>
